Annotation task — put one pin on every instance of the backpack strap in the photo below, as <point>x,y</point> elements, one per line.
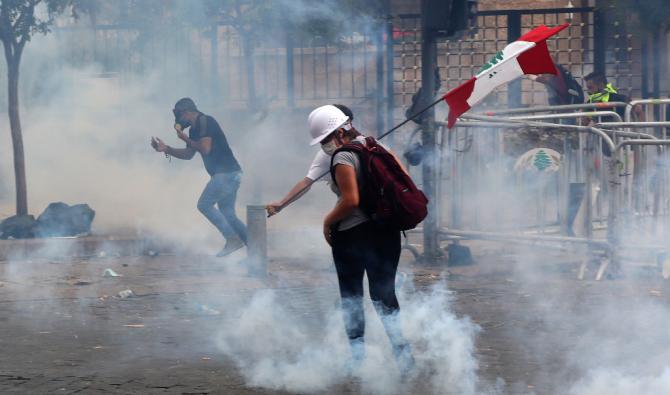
<point>350,147</point>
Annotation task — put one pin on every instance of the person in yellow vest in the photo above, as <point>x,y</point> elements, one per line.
<point>601,91</point>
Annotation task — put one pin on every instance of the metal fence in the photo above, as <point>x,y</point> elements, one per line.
<point>363,67</point>
<point>600,192</point>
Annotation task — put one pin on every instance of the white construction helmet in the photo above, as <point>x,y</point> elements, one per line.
<point>323,121</point>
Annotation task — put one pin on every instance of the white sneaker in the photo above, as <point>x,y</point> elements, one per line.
<point>232,245</point>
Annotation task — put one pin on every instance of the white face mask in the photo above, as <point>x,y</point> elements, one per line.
<point>330,147</point>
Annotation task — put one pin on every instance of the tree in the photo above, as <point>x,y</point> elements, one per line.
<point>19,21</point>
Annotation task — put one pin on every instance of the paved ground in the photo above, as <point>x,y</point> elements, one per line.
<point>66,330</point>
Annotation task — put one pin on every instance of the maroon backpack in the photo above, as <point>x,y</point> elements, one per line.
<point>389,196</point>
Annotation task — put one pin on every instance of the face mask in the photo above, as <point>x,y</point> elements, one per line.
<point>330,147</point>
<point>183,123</point>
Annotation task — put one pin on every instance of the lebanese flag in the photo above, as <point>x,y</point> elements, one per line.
<point>527,55</point>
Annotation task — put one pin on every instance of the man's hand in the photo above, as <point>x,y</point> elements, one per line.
<point>273,208</point>
<point>327,233</point>
<point>180,133</point>
<point>158,144</point>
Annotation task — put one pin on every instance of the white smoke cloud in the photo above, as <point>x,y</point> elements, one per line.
<point>603,381</point>
<point>278,348</point>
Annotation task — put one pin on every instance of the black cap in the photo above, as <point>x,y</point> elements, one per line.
<point>185,104</point>
<point>346,110</point>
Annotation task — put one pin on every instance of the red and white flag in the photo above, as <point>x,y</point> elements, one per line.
<point>527,55</point>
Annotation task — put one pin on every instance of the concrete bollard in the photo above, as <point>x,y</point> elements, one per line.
<point>257,254</point>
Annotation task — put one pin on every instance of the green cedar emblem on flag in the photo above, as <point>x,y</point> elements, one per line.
<point>495,60</point>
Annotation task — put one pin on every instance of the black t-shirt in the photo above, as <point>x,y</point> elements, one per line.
<point>220,159</point>
<point>564,89</point>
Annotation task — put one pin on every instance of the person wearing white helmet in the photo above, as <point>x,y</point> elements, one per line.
<point>359,245</point>
<point>320,166</point>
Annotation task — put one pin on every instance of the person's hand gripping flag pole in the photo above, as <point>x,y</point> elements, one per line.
<point>527,55</point>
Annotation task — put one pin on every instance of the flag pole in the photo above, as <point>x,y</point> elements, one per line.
<point>401,124</point>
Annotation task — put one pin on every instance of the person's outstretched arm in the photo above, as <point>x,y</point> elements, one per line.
<point>298,190</point>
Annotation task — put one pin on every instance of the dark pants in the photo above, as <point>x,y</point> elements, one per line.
<point>368,248</point>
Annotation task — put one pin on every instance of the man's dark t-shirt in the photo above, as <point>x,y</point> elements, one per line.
<point>564,89</point>
<point>220,159</point>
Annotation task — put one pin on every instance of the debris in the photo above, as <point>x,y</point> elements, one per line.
<point>414,154</point>
<point>126,293</point>
<point>207,310</point>
<point>102,254</point>
<point>134,325</point>
<point>124,265</point>
<point>152,253</point>
<point>206,358</point>
<point>80,282</point>
<point>97,347</point>
<point>110,273</point>
<point>458,255</point>
<point>655,292</point>
<point>17,227</point>
<point>60,219</point>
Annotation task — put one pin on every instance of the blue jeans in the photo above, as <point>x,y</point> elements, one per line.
<point>222,191</point>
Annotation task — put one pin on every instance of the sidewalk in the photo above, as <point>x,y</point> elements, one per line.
<point>85,246</point>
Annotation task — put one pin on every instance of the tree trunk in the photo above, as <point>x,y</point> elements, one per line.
<point>17,138</point>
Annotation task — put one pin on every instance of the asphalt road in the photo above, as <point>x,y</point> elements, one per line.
<point>66,330</point>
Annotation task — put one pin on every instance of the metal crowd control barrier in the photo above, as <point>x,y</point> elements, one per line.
<point>634,162</point>
<point>477,137</point>
<point>464,173</point>
<point>643,231</point>
<point>570,115</point>
<point>654,110</point>
<point>572,157</point>
<point>557,109</point>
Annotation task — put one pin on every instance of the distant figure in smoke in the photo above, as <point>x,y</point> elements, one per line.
<point>601,91</point>
<point>320,165</point>
<point>206,137</point>
<point>359,244</point>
